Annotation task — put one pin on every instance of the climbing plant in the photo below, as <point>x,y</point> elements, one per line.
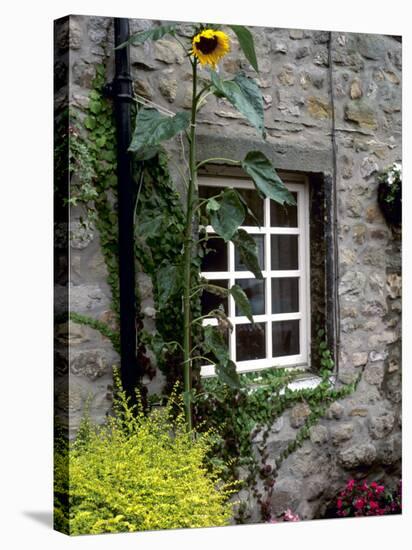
<point>159,223</point>
<point>240,414</point>
<point>92,162</point>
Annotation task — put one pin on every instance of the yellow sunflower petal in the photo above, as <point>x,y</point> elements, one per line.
<point>209,46</point>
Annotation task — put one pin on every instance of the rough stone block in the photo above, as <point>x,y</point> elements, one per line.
<point>341,433</point>
<point>90,363</point>
<point>361,114</point>
<point>168,51</point>
<point>358,455</point>
<point>299,414</point>
<point>380,426</point>
<point>335,411</point>
<point>318,434</point>
<point>319,108</point>
<point>359,359</point>
<point>374,373</point>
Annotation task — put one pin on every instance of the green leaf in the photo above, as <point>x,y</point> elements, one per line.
<point>90,122</point>
<point>95,107</point>
<point>228,375</point>
<point>157,343</point>
<point>265,178</point>
<point>244,94</point>
<point>242,301</point>
<point>152,34</point>
<point>246,42</point>
<point>247,248</point>
<point>212,206</point>
<point>229,214</point>
<point>152,128</point>
<point>215,343</point>
<point>153,226</point>
<point>168,282</point>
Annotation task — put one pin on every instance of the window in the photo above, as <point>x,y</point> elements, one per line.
<point>280,302</point>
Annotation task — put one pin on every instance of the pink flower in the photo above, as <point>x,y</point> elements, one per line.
<point>339,503</point>
<point>379,489</point>
<point>351,484</point>
<point>373,505</point>
<point>359,503</point>
<point>289,516</point>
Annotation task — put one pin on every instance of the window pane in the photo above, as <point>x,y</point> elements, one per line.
<point>255,203</point>
<point>285,295</point>
<point>284,215</point>
<point>239,266</point>
<point>284,250</point>
<point>255,291</point>
<point>285,338</point>
<point>250,341</point>
<point>216,259</point>
<point>212,301</point>
<point>205,191</point>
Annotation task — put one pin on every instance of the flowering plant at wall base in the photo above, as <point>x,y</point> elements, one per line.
<point>390,193</point>
<point>368,499</point>
<point>287,515</point>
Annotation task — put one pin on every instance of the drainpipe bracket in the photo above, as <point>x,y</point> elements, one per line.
<point>113,89</point>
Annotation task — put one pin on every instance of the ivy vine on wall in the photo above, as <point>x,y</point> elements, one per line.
<point>159,222</point>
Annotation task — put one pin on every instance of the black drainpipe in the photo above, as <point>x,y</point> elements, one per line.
<point>122,95</point>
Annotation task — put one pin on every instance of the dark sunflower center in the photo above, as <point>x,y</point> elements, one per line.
<point>207,45</point>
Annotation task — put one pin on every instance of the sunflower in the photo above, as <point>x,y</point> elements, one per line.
<point>209,46</point>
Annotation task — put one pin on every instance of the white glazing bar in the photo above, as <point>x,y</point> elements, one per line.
<point>284,230</point>
<point>231,302</point>
<point>268,282</point>
<point>240,320</point>
<point>249,275</point>
<point>306,265</point>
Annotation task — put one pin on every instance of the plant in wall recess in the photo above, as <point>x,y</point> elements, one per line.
<point>226,211</point>
<point>390,193</point>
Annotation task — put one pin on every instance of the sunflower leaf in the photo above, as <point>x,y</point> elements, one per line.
<point>152,128</point>
<point>246,42</point>
<point>228,375</point>
<point>152,34</point>
<point>265,178</point>
<point>226,213</point>
<point>244,94</point>
<point>247,247</point>
<point>225,367</point>
<point>215,343</point>
<point>242,301</point>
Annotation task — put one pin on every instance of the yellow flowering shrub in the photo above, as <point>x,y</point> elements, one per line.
<point>138,473</point>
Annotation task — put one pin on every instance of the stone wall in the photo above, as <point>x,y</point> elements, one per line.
<point>300,71</point>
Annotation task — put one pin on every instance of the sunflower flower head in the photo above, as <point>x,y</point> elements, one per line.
<point>209,46</point>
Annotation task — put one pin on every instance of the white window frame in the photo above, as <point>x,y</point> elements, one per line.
<point>298,184</point>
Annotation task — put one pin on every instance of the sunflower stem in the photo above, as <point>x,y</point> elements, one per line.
<point>187,256</point>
